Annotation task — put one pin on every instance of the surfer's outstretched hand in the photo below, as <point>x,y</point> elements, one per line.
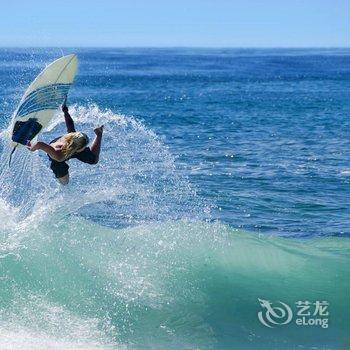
<point>64,105</point>
<point>32,147</point>
<point>64,108</point>
<point>99,131</point>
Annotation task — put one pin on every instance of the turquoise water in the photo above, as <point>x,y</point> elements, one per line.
<point>224,179</point>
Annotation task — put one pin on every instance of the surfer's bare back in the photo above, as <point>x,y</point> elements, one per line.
<point>71,145</point>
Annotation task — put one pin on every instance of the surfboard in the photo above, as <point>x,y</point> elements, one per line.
<point>44,95</point>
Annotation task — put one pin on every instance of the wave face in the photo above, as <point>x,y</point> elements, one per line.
<point>123,258</point>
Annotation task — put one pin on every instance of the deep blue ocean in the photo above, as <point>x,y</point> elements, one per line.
<point>224,178</point>
<point>264,135</point>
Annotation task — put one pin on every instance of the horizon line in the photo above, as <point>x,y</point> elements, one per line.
<point>176,47</point>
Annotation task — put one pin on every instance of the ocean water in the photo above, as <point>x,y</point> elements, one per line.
<point>224,180</point>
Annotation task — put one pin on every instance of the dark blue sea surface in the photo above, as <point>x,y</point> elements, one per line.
<point>263,134</point>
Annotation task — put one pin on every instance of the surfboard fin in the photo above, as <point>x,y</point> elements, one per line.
<point>11,154</point>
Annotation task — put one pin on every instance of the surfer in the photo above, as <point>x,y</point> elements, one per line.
<point>71,145</point>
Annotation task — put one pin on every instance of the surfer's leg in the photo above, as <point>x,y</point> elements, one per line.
<point>63,180</point>
<point>60,169</point>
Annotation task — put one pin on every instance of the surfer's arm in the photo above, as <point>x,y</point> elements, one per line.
<point>68,119</point>
<point>96,144</point>
<point>54,154</point>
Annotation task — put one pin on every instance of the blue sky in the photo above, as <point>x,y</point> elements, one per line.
<point>204,23</point>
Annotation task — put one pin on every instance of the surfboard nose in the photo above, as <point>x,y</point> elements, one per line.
<point>42,98</point>
<point>69,56</point>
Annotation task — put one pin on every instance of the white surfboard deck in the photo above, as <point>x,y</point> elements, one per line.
<point>44,95</point>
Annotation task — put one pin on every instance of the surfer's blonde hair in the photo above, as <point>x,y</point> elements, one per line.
<point>73,142</point>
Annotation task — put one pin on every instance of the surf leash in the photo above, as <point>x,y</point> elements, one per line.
<point>12,152</point>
